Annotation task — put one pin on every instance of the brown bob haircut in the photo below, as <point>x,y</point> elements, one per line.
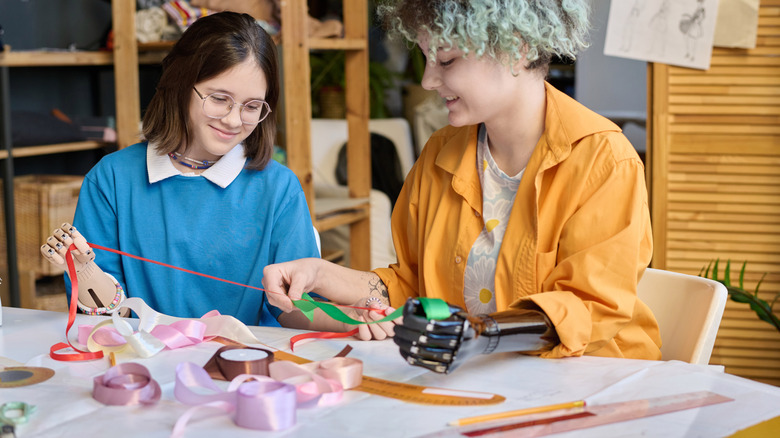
<point>210,46</point>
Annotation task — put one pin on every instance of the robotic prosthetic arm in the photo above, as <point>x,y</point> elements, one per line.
<point>99,293</point>
<point>443,345</point>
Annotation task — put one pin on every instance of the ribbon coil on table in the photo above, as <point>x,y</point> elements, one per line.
<point>230,362</point>
<point>126,384</point>
<point>258,402</point>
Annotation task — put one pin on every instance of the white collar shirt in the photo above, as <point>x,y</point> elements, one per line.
<point>222,173</point>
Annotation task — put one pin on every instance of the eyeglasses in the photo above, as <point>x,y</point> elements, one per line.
<point>218,106</point>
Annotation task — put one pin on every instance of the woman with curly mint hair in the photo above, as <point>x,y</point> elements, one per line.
<point>527,215</point>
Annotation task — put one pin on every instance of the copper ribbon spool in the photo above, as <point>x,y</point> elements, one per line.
<point>221,368</point>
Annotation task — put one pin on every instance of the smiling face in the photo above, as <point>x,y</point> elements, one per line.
<point>210,138</point>
<point>476,90</point>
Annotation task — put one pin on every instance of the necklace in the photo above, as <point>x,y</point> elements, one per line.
<point>193,163</point>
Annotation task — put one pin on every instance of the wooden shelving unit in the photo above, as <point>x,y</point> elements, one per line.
<point>330,213</point>
<point>125,58</point>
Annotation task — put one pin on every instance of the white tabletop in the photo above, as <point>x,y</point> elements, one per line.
<point>65,406</point>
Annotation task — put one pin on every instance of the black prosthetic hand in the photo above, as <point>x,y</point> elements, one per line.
<point>443,345</point>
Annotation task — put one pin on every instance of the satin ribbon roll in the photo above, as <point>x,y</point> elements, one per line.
<point>231,361</point>
<point>126,384</point>
<point>265,404</point>
<point>259,402</point>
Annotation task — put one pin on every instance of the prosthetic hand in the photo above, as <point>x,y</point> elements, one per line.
<point>443,345</point>
<point>99,293</point>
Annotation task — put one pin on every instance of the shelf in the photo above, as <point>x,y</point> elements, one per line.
<point>43,58</point>
<point>31,151</point>
<point>330,213</point>
<point>297,47</point>
<point>338,44</point>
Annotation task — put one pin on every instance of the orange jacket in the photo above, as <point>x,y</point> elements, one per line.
<point>577,241</point>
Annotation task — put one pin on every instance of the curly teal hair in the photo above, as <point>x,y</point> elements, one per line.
<point>501,29</point>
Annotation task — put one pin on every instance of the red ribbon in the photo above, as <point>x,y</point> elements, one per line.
<point>80,355</point>
<point>320,335</point>
<point>86,355</point>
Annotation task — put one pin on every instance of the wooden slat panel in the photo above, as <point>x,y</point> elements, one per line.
<point>724,89</point>
<point>725,159</point>
<point>714,154</point>
<point>726,144</point>
<point>732,109</point>
<point>695,206</point>
<point>733,169</point>
<point>693,99</point>
<point>727,57</point>
<point>735,70</point>
<point>692,235</point>
<point>713,121</point>
<point>724,80</point>
<point>723,217</point>
<point>694,188</point>
<point>726,179</point>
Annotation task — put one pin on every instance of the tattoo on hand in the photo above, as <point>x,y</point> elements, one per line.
<point>379,286</point>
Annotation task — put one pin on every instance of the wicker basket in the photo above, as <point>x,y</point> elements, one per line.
<point>42,203</point>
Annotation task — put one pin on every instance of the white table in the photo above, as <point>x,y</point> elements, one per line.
<point>65,406</point>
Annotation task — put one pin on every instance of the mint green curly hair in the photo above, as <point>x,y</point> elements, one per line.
<point>501,29</point>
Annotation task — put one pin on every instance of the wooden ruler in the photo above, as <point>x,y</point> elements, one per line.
<point>595,415</point>
<point>426,395</point>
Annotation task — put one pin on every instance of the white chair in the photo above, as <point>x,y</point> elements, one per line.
<point>328,135</point>
<point>688,310</point>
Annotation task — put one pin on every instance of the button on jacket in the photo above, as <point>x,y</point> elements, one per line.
<point>577,242</point>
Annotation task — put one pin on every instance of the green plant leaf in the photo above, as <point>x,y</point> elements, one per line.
<point>742,275</point>
<point>759,284</point>
<point>715,270</point>
<point>727,273</point>
<point>762,309</point>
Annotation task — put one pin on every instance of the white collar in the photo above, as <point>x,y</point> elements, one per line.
<point>222,173</point>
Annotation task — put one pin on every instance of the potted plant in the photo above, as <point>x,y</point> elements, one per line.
<point>737,293</point>
<point>327,85</point>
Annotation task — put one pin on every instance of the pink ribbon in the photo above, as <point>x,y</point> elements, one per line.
<point>126,384</point>
<point>183,333</point>
<point>319,383</point>
<point>258,402</point>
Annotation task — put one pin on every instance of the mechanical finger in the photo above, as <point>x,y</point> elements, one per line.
<point>76,238</point>
<point>55,243</point>
<point>51,254</point>
<point>427,339</point>
<point>415,318</point>
<point>432,365</point>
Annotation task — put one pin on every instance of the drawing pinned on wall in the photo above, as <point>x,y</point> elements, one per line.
<point>677,32</point>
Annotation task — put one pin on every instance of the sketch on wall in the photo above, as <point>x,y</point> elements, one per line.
<point>677,32</point>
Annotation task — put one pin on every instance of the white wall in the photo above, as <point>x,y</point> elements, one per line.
<point>609,85</point>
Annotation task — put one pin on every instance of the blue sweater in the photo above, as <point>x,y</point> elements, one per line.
<point>189,222</point>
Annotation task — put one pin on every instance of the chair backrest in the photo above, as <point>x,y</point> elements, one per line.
<point>688,310</point>
<point>318,240</point>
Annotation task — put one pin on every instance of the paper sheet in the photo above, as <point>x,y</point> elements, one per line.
<point>737,24</point>
<point>677,32</point>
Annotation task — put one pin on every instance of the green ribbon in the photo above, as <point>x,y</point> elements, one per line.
<point>435,308</point>
<point>307,305</point>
